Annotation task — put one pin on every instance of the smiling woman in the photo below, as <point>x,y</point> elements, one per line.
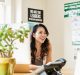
<point>40,45</point>
<point>41,51</point>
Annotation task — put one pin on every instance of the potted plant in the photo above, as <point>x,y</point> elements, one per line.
<point>7,38</point>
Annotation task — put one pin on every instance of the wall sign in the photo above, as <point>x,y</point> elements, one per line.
<point>35,15</point>
<point>72,9</point>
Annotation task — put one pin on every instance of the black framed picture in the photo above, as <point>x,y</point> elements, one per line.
<point>35,15</point>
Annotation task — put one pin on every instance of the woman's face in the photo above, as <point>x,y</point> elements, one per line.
<point>40,35</point>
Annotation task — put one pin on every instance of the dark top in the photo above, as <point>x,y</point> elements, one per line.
<point>39,61</point>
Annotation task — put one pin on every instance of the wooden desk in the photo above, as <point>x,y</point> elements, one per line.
<point>21,74</point>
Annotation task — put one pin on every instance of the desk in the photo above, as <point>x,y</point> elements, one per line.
<point>21,74</point>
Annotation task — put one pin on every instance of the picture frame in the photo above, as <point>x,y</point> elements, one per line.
<point>35,15</point>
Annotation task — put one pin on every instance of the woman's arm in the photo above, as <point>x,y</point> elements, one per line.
<point>49,56</point>
<point>33,67</point>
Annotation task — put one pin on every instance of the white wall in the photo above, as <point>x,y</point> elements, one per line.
<point>56,26</point>
<point>2,0</point>
<point>13,11</point>
<point>18,11</point>
<point>8,11</point>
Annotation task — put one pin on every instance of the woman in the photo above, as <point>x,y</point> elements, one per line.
<point>41,50</point>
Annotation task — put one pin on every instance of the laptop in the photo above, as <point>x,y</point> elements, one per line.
<point>21,68</point>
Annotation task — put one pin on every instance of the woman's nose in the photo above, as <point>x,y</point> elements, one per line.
<point>44,35</point>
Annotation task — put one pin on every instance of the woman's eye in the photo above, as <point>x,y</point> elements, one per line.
<point>40,32</point>
<point>45,33</point>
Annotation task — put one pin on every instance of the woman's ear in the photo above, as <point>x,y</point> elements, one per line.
<point>33,34</point>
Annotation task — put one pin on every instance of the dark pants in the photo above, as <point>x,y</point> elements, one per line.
<point>50,73</point>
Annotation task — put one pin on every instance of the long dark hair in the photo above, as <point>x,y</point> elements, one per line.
<point>44,46</point>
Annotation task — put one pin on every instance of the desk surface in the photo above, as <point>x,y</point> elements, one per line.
<point>21,74</point>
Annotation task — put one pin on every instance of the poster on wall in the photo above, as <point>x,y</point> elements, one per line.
<point>72,9</point>
<point>35,15</point>
<point>72,15</point>
<point>72,21</point>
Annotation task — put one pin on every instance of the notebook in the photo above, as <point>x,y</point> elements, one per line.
<point>21,68</point>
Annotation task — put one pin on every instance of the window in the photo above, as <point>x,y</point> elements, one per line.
<point>2,12</point>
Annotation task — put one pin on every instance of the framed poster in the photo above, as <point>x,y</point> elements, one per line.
<point>35,15</point>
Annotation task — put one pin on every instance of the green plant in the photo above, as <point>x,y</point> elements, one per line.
<point>7,38</point>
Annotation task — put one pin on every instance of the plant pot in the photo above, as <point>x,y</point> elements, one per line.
<point>7,66</point>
